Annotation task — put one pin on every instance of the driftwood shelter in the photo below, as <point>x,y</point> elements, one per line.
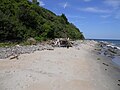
<point>62,42</point>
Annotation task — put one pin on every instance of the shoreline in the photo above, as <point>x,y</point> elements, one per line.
<point>79,67</point>
<point>109,50</point>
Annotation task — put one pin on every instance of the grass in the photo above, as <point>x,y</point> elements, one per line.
<point>98,58</point>
<point>8,44</point>
<point>98,49</point>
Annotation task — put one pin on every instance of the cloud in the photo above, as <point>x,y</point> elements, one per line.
<point>87,0</point>
<point>64,5</point>
<point>94,10</point>
<point>114,3</point>
<point>105,16</point>
<point>117,16</point>
<point>106,22</point>
<point>75,16</point>
<point>41,3</point>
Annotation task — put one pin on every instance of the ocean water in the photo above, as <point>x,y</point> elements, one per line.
<point>116,59</point>
<point>112,41</point>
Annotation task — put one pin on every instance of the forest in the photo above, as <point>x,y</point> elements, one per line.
<point>22,19</point>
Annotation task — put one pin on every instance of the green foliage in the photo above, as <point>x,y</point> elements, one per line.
<point>65,19</point>
<point>40,38</point>
<point>98,58</point>
<point>8,44</point>
<point>22,19</point>
<point>35,2</point>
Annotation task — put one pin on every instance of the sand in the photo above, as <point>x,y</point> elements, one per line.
<point>76,68</point>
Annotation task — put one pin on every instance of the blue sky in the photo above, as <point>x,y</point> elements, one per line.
<point>95,18</point>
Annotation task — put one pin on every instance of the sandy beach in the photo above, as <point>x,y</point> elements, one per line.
<point>76,68</point>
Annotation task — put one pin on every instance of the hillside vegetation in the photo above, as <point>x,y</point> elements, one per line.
<point>21,19</point>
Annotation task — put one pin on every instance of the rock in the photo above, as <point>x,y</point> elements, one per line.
<point>31,41</point>
<point>105,69</point>
<point>50,49</point>
<point>17,45</point>
<point>11,52</point>
<point>115,48</point>
<point>118,84</point>
<point>105,64</point>
<point>112,51</point>
<point>14,57</point>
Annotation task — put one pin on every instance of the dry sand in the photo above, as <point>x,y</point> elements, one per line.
<point>76,68</point>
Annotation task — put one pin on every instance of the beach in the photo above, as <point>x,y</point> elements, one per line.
<point>76,68</point>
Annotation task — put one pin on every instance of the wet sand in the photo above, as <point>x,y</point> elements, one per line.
<point>76,68</point>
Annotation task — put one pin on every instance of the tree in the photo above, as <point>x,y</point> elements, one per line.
<point>64,17</point>
<point>35,2</point>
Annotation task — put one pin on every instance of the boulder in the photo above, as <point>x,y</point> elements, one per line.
<point>31,41</point>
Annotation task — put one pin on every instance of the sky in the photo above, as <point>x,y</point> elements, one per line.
<point>97,19</point>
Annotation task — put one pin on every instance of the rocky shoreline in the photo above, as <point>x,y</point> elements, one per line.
<point>6,52</point>
<point>102,48</point>
<point>107,49</point>
<point>15,51</point>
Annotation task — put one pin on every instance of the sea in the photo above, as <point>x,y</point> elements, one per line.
<point>112,42</point>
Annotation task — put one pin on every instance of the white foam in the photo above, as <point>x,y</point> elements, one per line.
<point>118,48</point>
<point>113,46</point>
